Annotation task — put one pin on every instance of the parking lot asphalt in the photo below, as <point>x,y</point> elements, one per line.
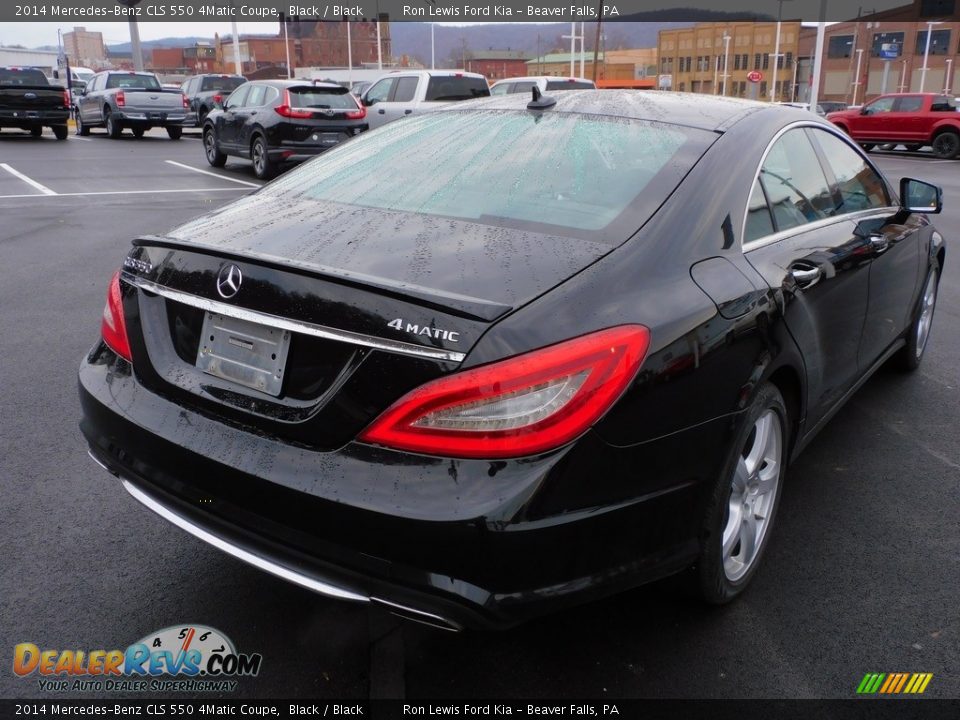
<point>861,574</point>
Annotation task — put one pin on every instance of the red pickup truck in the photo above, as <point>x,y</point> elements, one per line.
<point>911,119</point>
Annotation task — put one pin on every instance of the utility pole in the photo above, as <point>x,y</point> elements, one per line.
<point>926,53</point>
<point>726,60</point>
<point>776,51</point>
<point>596,41</point>
<point>818,56</point>
<point>856,83</point>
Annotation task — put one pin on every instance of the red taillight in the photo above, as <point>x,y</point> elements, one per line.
<point>359,114</point>
<point>290,112</point>
<point>66,98</point>
<point>186,102</point>
<point>218,99</point>
<point>113,328</point>
<point>524,405</point>
<point>121,98</point>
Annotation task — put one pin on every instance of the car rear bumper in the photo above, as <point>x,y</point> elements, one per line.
<point>32,118</point>
<point>450,543</point>
<point>153,118</point>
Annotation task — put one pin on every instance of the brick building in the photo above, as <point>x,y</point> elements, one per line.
<point>698,59</point>
<point>864,43</point>
<point>498,64</point>
<point>84,47</point>
<point>192,60</point>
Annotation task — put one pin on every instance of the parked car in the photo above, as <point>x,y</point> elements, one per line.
<point>275,122</point>
<point>544,83</point>
<point>29,102</point>
<point>512,354</point>
<point>135,100</point>
<point>830,106</point>
<point>911,119</point>
<point>206,92</point>
<point>404,93</point>
<point>359,88</point>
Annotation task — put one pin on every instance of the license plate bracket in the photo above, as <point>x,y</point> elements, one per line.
<point>246,353</point>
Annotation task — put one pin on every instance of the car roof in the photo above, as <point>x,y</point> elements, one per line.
<point>299,83</point>
<point>548,78</point>
<point>706,112</point>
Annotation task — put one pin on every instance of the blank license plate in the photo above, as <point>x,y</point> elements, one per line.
<point>246,353</point>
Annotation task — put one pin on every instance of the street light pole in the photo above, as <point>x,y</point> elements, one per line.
<point>856,82</point>
<point>818,56</point>
<point>726,61</point>
<point>926,53</point>
<point>776,51</point>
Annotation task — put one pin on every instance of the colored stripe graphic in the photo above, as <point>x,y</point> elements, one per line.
<point>894,683</point>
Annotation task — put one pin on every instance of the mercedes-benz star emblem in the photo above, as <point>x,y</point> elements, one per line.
<point>228,281</point>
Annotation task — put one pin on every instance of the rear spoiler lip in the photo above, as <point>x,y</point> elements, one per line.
<point>464,306</point>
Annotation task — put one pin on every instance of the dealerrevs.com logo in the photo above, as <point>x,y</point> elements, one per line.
<point>182,658</point>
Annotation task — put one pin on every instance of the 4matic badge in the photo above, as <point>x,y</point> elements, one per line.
<point>432,332</point>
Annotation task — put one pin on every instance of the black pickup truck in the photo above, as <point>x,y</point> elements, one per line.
<point>29,102</point>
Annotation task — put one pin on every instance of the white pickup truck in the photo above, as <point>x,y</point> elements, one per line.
<point>117,100</point>
<point>404,93</point>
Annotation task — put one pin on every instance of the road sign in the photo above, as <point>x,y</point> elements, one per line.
<point>890,51</point>
<point>754,76</point>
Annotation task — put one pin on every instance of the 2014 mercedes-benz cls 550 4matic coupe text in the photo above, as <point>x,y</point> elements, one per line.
<point>512,354</point>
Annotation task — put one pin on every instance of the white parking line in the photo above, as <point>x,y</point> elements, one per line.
<point>32,183</point>
<point>212,174</point>
<point>74,137</point>
<point>122,192</point>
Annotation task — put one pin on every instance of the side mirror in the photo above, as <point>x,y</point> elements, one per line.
<point>368,102</point>
<point>917,196</point>
<point>864,111</point>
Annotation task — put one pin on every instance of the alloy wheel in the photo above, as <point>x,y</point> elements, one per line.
<point>753,495</point>
<point>925,321</point>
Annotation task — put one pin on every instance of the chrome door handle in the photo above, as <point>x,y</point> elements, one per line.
<point>879,243</point>
<point>805,278</point>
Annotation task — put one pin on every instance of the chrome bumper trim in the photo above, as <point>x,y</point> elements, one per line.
<point>297,326</point>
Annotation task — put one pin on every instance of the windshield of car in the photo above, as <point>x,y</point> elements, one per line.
<point>578,175</point>
<point>569,85</point>
<point>221,84</point>
<point>84,76</point>
<point>456,87</point>
<point>22,76</point>
<point>133,81</point>
<point>322,98</point>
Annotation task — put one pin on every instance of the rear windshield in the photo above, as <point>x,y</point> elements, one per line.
<point>221,84</point>
<point>452,87</point>
<point>322,98</point>
<point>595,177</point>
<point>132,80</point>
<point>24,76</point>
<point>570,85</point>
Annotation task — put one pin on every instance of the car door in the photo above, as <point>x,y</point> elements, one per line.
<point>873,122</point>
<point>906,122</point>
<point>249,114</point>
<point>228,121</point>
<point>894,246</point>
<point>795,238</point>
<point>88,105</point>
<point>376,98</point>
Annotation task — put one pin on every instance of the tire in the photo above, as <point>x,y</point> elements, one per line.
<point>36,131</point>
<point>138,132</point>
<point>909,357</point>
<point>748,488</point>
<point>946,145</point>
<point>211,150</point>
<point>112,126</point>
<point>263,167</point>
<point>174,131</point>
<point>202,115</point>
<point>82,130</point>
<point>867,147</point>
<point>60,131</point>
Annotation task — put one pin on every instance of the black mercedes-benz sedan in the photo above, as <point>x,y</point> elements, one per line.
<point>281,122</point>
<point>513,354</point>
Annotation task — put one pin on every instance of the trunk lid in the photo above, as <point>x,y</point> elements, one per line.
<point>154,99</point>
<point>28,98</point>
<point>376,303</point>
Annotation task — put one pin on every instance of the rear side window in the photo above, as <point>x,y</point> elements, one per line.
<point>759,222</point>
<point>500,89</point>
<point>24,76</point>
<point>911,103</point>
<point>406,89</point>
<point>454,87</point>
<point>221,84</point>
<point>943,103</point>
<point>569,85</point>
<point>256,95</point>
<point>146,82</point>
<point>794,182</point>
<point>322,98</point>
<point>595,177</point>
<point>861,188</point>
